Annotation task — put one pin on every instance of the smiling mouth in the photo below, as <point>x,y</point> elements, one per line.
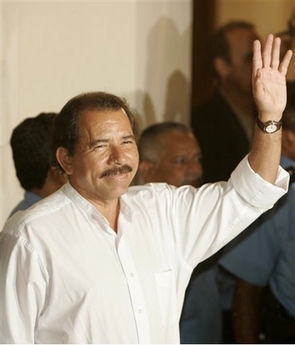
<point>116,171</point>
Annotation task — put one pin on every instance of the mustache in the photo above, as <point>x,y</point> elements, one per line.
<point>195,181</point>
<point>116,171</point>
<point>199,182</point>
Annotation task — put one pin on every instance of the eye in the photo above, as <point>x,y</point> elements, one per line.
<point>179,160</point>
<point>128,140</point>
<point>99,146</point>
<point>199,159</point>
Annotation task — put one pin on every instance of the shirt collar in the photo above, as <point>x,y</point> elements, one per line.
<point>126,212</point>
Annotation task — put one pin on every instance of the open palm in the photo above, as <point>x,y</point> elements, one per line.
<point>269,78</point>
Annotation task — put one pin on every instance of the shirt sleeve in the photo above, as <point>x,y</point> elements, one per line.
<point>258,192</point>
<point>22,290</point>
<point>252,256</point>
<point>217,213</point>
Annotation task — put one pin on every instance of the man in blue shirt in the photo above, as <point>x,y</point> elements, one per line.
<point>31,148</point>
<point>264,261</point>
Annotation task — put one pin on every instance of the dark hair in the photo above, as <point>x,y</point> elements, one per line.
<point>31,148</point>
<point>67,125</point>
<point>219,45</point>
<point>148,143</point>
<point>288,120</point>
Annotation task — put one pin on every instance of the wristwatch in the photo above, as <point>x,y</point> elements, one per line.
<point>269,126</point>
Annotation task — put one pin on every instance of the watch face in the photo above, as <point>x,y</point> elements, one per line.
<point>271,128</point>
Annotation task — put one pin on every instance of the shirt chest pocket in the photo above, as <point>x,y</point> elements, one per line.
<point>166,290</point>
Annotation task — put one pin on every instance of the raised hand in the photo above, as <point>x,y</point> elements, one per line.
<point>269,78</point>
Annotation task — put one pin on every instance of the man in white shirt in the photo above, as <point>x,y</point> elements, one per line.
<point>97,262</point>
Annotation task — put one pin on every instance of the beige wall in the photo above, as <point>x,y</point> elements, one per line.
<point>269,16</point>
<point>53,50</point>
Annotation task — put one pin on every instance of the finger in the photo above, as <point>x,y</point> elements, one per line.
<point>283,68</point>
<point>275,60</point>
<point>257,61</point>
<point>266,53</point>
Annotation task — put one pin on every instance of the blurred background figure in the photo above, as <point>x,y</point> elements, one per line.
<point>31,148</point>
<point>170,153</point>
<point>224,123</point>
<point>288,41</point>
<point>263,259</point>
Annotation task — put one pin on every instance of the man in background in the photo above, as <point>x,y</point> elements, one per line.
<point>31,148</point>
<point>169,152</point>
<point>224,123</point>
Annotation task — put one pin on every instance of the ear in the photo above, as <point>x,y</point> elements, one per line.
<point>146,170</point>
<point>64,159</point>
<point>221,66</point>
<point>57,176</point>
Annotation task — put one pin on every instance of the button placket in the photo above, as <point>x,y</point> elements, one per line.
<point>136,292</point>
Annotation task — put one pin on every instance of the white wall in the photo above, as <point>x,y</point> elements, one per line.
<point>54,50</point>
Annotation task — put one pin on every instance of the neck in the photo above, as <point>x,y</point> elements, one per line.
<point>113,218</point>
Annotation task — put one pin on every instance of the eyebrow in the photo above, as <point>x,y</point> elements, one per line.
<point>100,141</point>
<point>128,137</point>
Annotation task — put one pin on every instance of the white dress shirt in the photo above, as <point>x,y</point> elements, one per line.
<point>67,277</point>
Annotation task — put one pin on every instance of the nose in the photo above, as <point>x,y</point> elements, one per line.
<point>116,155</point>
<point>196,166</point>
<point>195,171</point>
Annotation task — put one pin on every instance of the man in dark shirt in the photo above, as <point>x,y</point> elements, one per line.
<point>223,125</point>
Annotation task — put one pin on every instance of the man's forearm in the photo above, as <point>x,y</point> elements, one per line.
<point>265,154</point>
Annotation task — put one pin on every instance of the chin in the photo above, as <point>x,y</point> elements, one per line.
<point>195,183</point>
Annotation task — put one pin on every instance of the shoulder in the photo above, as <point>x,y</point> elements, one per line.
<point>29,200</point>
<point>22,219</point>
<point>167,197</point>
<point>148,190</point>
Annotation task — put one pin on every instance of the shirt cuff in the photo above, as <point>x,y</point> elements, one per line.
<point>254,189</point>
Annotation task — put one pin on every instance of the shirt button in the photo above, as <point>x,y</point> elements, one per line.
<point>132,275</point>
<point>140,311</point>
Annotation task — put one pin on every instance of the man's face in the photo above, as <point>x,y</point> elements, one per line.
<point>179,160</point>
<point>241,53</point>
<point>106,158</point>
